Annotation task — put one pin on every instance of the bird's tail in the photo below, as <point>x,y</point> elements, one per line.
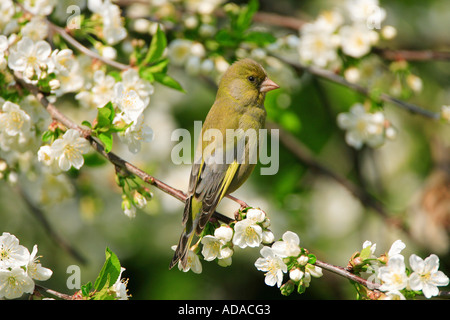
<point>181,252</point>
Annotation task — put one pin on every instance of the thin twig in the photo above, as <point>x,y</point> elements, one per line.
<point>346,274</point>
<point>54,293</point>
<point>330,76</point>
<point>412,55</point>
<point>85,50</point>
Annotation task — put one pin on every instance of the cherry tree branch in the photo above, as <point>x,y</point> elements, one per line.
<point>330,76</point>
<point>54,293</point>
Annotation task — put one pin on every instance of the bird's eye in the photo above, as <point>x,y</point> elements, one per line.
<point>251,78</point>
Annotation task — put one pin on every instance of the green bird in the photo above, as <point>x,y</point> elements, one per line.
<point>222,165</point>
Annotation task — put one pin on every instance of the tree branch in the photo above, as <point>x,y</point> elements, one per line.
<point>54,293</point>
<point>346,274</point>
<point>330,76</point>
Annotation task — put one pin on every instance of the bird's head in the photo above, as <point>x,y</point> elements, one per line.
<point>246,81</point>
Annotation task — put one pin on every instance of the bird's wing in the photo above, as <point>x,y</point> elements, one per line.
<point>210,178</point>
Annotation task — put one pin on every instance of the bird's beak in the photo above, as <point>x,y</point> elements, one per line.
<point>268,85</point>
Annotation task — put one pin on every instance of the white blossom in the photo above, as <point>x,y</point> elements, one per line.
<point>129,103</point>
<point>329,21</point>
<point>289,246</point>
<point>35,270</point>
<point>414,82</point>
<point>373,247</point>
<point>224,233</point>
<point>393,275</point>
<point>40,7</point>
<point>14,283</point>
<point>204,7</point>
<point>132,81</point>
<point>135,134</point>
<point>193,262</point>
<point>368,12</point>
<point>396,248</point>
<point>30,58</point>
<point>363,127</point>
<point>63,61</point>
<point>357,40</point>
<point>247,233</point>
<point>272,265</point>
<point>317,45</point>
<point>296,274</point>
<point>120,287</point>
<point>216,246</point>
<point>256,215</point>
<point>179,51</point>
<point>68,151</point>
<point>426,276</point>
<point>128,209</point>
<point>14,121</point>
<point>36,29</point>
<point>113,29</point>
<point>211,247</point>
<point>103,88</point>
<point>3,47</point>
<point>7,11</point>
<point>313,270</point>
<point>12,254</point>
<point>68,72</point>
<point>388,32</point>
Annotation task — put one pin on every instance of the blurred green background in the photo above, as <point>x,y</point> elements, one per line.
<point>331,223</point>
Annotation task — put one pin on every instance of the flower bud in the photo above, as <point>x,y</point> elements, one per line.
<point>303,260</point>
<point>296,274</point>
<point>287,288</point>
<point>139,200</point>
<point>54,84</point>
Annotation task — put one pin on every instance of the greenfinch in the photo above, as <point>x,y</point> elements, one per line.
<point>222,165</point>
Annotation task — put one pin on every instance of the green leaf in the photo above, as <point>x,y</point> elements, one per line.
<point>87,124</point>
<point>365,253</point>
<point>105,116</point>
<point>225,38</point>
<point>168,81</point>
<point>158,67</point>
<point>146,74</point>
<point>259,38</point>
<point>47,135</point>
<point>109,273</point>
<point>157,46</point>
<point>86,289</point>
<point>245,17</point>
<point>312,258</point>
<point>107,139</point>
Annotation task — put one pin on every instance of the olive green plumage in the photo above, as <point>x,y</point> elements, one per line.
<point>239,104</point>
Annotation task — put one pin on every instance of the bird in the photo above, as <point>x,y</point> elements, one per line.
<point>220,165</point>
